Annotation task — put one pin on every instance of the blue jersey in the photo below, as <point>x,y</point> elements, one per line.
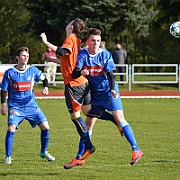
<point>98,65</point>
<point>19,85</point>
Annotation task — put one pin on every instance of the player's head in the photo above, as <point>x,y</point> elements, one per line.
<point>49,49</point>
<point>103,44</point>
<point>118,45</point>
<point>76,26</point>
<point>22,55</point>
<point>93,40</point>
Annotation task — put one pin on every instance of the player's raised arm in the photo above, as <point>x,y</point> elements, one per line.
<point>48,44</point>
<point>60,51</point>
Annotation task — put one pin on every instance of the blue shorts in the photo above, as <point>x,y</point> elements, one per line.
<point>105,100</point>
<point>34,115</point>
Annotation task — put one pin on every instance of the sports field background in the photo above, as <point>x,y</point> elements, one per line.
<point>156,126</point>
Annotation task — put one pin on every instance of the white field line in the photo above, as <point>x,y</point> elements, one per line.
<point>127,97</point>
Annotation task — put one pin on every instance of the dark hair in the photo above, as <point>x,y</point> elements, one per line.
<point>21,49</point>
<point>94,31</point>
<point>78,26</point>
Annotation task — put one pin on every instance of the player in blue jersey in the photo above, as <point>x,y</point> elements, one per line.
<point>97,64</point>
<point>18,81</point>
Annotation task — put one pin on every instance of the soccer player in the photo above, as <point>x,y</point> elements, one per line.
<point>76,90</point>
<point>18,81</point>
<point>97,65</point>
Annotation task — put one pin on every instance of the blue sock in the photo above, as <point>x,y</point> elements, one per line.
<point>83,132</point>
<point>44,140</point>
<point>9,140</point>
<point>82,146</point>
<point>128,133</point>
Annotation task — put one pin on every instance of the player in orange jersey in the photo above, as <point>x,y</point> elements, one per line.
<point>76,90</point>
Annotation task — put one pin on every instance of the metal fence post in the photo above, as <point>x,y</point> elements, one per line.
<point>129,77</point>
<point>179,78</point>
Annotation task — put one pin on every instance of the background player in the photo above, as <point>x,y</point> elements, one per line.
<point>18,81</point>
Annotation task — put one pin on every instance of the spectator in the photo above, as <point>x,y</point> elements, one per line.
<point>119,56</point>
<point>50,67</point>
<point>103,44</point>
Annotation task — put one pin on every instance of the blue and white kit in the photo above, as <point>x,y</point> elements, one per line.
<point>21,99</point>
<point>98,65</point>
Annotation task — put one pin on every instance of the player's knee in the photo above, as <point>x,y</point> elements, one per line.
<point>12,128</point>
<point>75,115</point>
<point>44,126</point>
<point>118,116</point>
<point>121,115</point>
<point>86,109</point>
<point>90,121</point>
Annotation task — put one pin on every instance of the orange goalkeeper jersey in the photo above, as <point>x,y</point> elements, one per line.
<point>68,62</point>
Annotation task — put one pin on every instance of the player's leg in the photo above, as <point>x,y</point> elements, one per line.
<point>128,133</point>
<point>100,113</point>
<point>54,69</point>
<point>90,121</point>
<point>100,106</point>
<point>77,160</point>
<point>35,116</point>
<point>93,113</point>
<point>44,126</point>
<point>48,70</point>
<point>74,100</point>
<point>80,94</point>
<point>115,106</point>
<point>82,130</point>
<point>14,118</point>
<point>9,140</point>
<point>126,128</point>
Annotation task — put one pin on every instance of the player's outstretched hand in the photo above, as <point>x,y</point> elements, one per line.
<point>45,91</point>
<point>3,109</point>
<point>44,38</point>
<point>114,93</point>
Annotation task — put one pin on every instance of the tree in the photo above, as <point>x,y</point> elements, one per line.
<point>134,22</point>
<point>164,47</point>
<point>118,19</point>
<point>169,11</point>
<point>9,16</point>
<point>14,19</point>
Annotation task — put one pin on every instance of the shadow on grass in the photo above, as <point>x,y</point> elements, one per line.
<point>167,161</point>
<point>28,174</point>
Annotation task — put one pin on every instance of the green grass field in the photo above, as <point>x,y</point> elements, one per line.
<point>156,126</point>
